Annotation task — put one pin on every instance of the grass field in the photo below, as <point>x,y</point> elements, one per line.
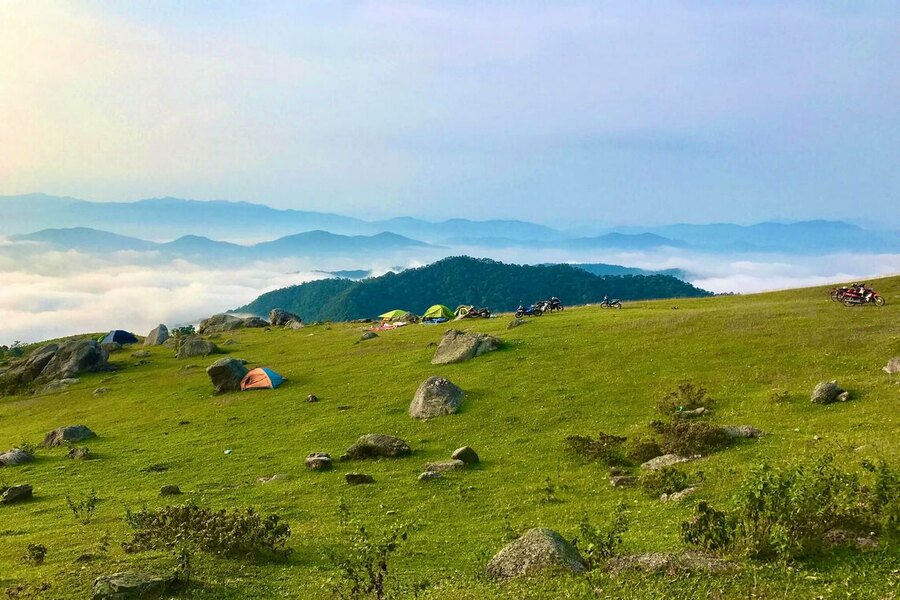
<point>576,372</point>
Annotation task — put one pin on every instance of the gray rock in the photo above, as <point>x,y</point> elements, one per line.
<point>279,317</point>
<point>318,461</point>
<point>293,325</point>
<point>435,397</point>
<point>680,495</point>
<point>429,476</point>
<point>79,453</point>
<point>194,346</point>
<point>158,336</point>
<point>226,374</point>
<point>369,335</point>
<point>140,354</point>
<point>312,398</point>
<point>219,323</point>
<point>271,478</point>
<point>670,563</point>
<point>516,323</point>
<point>129,585</point>
<point>111,347</point>
<point>66,435</point>
<point>445,465</point>
<point>467,455</point>
<point>169,490</point>
<point>55,362</point>
<point>622,480</point>
<point>458,346</point>
<point>249,322</point>
<point>893,366</point>
<point>56,386</point>
<point>666,460</point>
<point>828,392</point>
<point>377,445</point>
<point>15,457</point>
<point>742,431</point>
<point>100,391</point>
<point>358,478</point>
<point>538,551</point>
<point>696,412</point>
<point>16,493</point>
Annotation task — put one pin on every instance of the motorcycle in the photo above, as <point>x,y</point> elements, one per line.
<point>853,297</point>
<point>607,303</point>
<point>531,311</point>
<point>476,313</point>
<point>838,293</point>
<point>555,304</point>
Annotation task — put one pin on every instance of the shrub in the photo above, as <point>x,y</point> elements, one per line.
<point>599,543</point>
<point>83,510</point>
<point>605,448</point>
<point>709,529</point>
<point>185,331</point>
<point>779,396</point>
<point>666,480</point>
<point>692,437</point>
<point>34,554</point>
<point>642,449</point>
<point>27,447</point>
<point>234,533</point>
<point>686,396</point>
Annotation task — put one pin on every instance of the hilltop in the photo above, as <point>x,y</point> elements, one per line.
<point>463,280</point>
<point>574,373</point>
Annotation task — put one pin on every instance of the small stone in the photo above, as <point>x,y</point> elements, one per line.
<point>445,465</point>
<point>467,455</point>
<point>429,476</point>
<point>515,323</point>
<point>358,478</point>
<point>79,453</point>
<point>312,398</point>
<point>100,391</point>
<point>140,354</point>
<point>742,431</point>
<point>16,493</point>
<point>271,478</point>
<point>318,461</point>
<point>828,392</point>
<point>128,585</point>
<point>169,490</point>
<point>15,457</point>
<point>368,335</point>
<point>678,496</point>
<point>666,460</point>
<point>622,480</point>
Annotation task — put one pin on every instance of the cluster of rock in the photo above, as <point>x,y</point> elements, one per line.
<point>460,459</point>
<point>224,322</point>
<point>55,363</point>
<point>281,318</point>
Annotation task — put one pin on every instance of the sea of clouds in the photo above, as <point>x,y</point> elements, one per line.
<point>50,294</point>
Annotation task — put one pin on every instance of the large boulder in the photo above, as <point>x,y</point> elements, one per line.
<point>279,317</point>
<point>435,397</point>
<point>66,435</point>
<point>219,323</point>
<point>226,374</point>
<point>254,322</point>
<point>158,336</point>
<point>55,362</point>
<point>195,346</point>
<point>377,445</point>
<point>828,392</point>
<point>540,550</point>
<point>15,457</point>
<point>128,586</point>
<point>458,346</point>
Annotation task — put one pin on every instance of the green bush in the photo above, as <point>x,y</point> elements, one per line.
<point>709,529</point>
<point>642,449</point>
<point>83,509</point>
<point>687,438</point>
<point>34,554</point>
<point>686,396</point>
<point>605,448</point>
<point>599,543</point>
<point>234,533</point>
<point>667,480</point>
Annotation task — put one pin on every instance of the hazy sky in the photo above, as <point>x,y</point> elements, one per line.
<point>623,112</point>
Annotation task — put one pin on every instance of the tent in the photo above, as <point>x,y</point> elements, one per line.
<point>438,311</point>
<point>119,336</point>
<point>397,315</point>
<point>261,379</point>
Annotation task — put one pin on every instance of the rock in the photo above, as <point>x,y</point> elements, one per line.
<point>312,398</point>
<point>158,336</point>
<point>100,391</point>
<point>688,414</point>
<point>226,374</point>
<point>318,461</point>
<point>56,386</point>
<point>670,563</point>
<point>16,493</point>
<point>828,392</point>
<point>377,445</point>
<point>194,346</point>
<point>87,557</point>
<point>55,362</point>
<point>15,457</point>
<point>68,434</point>
<point>622,480</point>
<point>666,460</point>
<point>229,342</point>
<point>538,551</point>
<point>219,323</point>
<point>293,325</point>
<point>435,397</point>
<point>271,478</point>
<point>445,465</point>
<point>369,335</point>
<point>128,585</point>
<point>79,453</point>
<point>169,490</point>
<point>458,346</point>
<point>429,476</point>
<point>893,366</point>
<point>279,317</point>
<point>140,354</point>
<point>679,496</point>
<point>358,478</point>
<point>467,455</point>
<point>111,347</point>
<point>842,537</point>
<point>254,322</point>
<point>515,323</point>
<point>742,431</point>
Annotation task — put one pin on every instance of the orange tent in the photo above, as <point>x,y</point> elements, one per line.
<point>261,379</point>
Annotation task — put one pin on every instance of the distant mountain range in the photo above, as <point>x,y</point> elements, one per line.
<point>462,280</point>
<point>191,223</point>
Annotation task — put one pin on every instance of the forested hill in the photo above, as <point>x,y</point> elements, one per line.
<point>462,280</point>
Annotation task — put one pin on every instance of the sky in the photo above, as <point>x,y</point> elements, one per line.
<point>626,112</point>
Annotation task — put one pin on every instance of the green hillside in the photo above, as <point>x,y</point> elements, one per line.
<point>578,372</point>
<point>463,280</point>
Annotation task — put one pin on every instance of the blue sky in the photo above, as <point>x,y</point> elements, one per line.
<point>617,112</point>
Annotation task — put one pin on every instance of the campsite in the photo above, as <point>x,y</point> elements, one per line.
<point>163,438</point>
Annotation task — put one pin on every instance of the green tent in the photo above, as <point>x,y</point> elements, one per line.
<point>438,311</point>
<point>394,315</point>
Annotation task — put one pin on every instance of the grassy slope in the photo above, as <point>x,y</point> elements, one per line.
<point>577,372</point>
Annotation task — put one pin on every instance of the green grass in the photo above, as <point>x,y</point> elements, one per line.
<point>577,372</point>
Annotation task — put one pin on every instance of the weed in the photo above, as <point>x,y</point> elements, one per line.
<point>687,438</point>
<point>667,480</point>
<point>83,509</point>
<point>599,543</point>
<point>779,396</point>
<point>605,448</point>
<point>709,528</point>
<point>685,397</point>
<point>34,554</point>
<point>642,449</point>
<point>27,447</point>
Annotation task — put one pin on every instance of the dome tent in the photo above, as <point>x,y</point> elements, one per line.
<point>261,379</point>
<point>398,314</point>
<point>438,311</point>
<point>120,337</point>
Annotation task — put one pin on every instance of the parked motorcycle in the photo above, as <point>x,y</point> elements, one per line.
<point>476,313</point>
<point>855,297</point>
<point>607,303</point>
<point>531,311</point>
<point>838,293</point>
<point>555,304</point>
